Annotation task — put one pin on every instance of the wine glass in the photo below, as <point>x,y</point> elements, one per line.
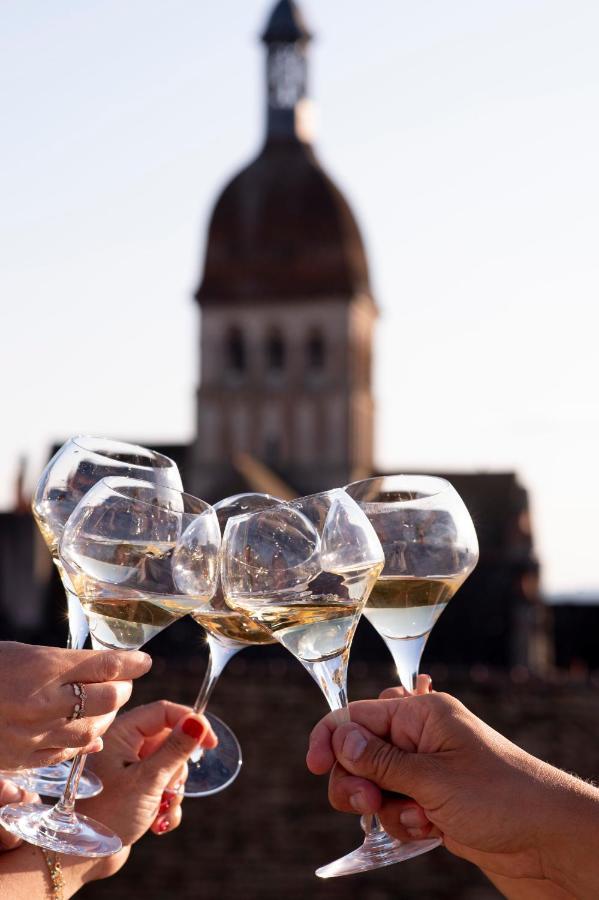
<point>118,550</point>
<point>304,571</point>
<point>80,463</point>
<point>227,632</point>
<point>430,548</point>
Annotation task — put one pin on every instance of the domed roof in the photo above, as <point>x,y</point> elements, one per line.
<point>282,229</point>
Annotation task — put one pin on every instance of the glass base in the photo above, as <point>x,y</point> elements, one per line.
<point>379,849</point>
<point>42,825</point>
<point>50,781</point>
<point>211,771</point>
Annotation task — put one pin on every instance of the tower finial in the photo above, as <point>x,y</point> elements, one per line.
<point>286,25</point>
<point>286,37</point>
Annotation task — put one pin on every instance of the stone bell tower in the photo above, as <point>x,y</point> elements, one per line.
<point>287,314</point>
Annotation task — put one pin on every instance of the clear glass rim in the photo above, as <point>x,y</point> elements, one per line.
<point>87,443</point>
<point>283,504</point>
<point>441,485</point>
<point>219,505</point>
<point>115,483</point>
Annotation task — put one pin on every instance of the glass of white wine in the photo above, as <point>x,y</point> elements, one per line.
<point>78,465</point>
<point>430,547</point>
<point>227,632</point>
<point>118,550</point>
<point>304,570</point>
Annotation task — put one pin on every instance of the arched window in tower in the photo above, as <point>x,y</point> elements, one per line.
<point>275,353</point>
<point>315,352</point>
<point>236,353</point>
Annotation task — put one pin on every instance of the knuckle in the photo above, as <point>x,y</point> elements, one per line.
<point>113,697</point>
<point>385,761</point>
<point>109,666</point>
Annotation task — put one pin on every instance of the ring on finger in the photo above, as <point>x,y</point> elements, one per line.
<point>81,695</point>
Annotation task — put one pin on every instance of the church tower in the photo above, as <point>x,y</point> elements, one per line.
<point>287,314</point>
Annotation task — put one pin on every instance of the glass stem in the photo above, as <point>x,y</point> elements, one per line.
<point>78,624</point>
<point>221,652</point>
<point>62,813</point>
<point>331,676</point>
<point>407,653</point>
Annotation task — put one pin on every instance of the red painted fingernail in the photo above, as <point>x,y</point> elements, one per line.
<point>164,804</point>
<point>192,728</point>
<point>164,826</point>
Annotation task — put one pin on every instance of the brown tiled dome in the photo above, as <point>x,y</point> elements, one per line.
<point>281,229</point>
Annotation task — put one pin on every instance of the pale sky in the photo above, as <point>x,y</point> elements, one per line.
<point>466,137</point>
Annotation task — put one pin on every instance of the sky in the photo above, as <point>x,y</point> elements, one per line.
<point>466,138</point>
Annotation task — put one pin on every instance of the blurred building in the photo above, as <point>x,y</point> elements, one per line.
<point>285,400</point>
<point>287,313</point>
<point>285,395</point>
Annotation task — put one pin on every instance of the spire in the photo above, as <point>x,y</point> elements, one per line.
<point>286,25</point>
<point>286,37</point>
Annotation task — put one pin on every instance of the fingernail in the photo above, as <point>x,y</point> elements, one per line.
<point>164,826</point>
<point>11,793</point>
<point>410,818</point>
<point>357,801</point>
<point>164,803</point>
<point>354,745</point>
<point>97,745</point>
<point>193,728</point>
<point>415,833</point>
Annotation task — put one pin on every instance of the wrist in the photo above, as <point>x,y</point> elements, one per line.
<point>78,872</point>
<point>568,853</point>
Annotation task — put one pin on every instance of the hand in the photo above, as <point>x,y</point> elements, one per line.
<point>493,804</point>
<point>37,700</point>
<point>143,761</point>
<point>10,793</point>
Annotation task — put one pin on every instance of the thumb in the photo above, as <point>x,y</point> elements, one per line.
<point>189,733</point>
<point>361,753</point>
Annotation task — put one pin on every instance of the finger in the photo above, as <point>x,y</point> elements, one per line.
<point>393,693</point>
<point>362,753</point>
<point>350,794</point>
<point>97,666</point>
<point>152,718</point>
<point>424,684</point>
<point>100,699</point>
<point>81,732</point>
<point>9,792</point>
<point>162,765</point>
<point>376,716</point>
<point>49,756</point>
<point>8,841</point>
<point>405,820</point>
<point>168,821</point>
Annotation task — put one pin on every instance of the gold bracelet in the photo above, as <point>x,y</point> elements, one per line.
<point>54,867</point>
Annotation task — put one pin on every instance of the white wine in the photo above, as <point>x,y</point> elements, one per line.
<point>232,625</point>
<point>126,590</point>
<point>317,623</point>
<point>408,607</point>
<point>123,624</point>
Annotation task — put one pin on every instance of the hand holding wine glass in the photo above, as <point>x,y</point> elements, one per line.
<point>36,708</point>
<point>304,570</point>
<point>117,550</point>
<point>143,759</point>
<point>80,463</point>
